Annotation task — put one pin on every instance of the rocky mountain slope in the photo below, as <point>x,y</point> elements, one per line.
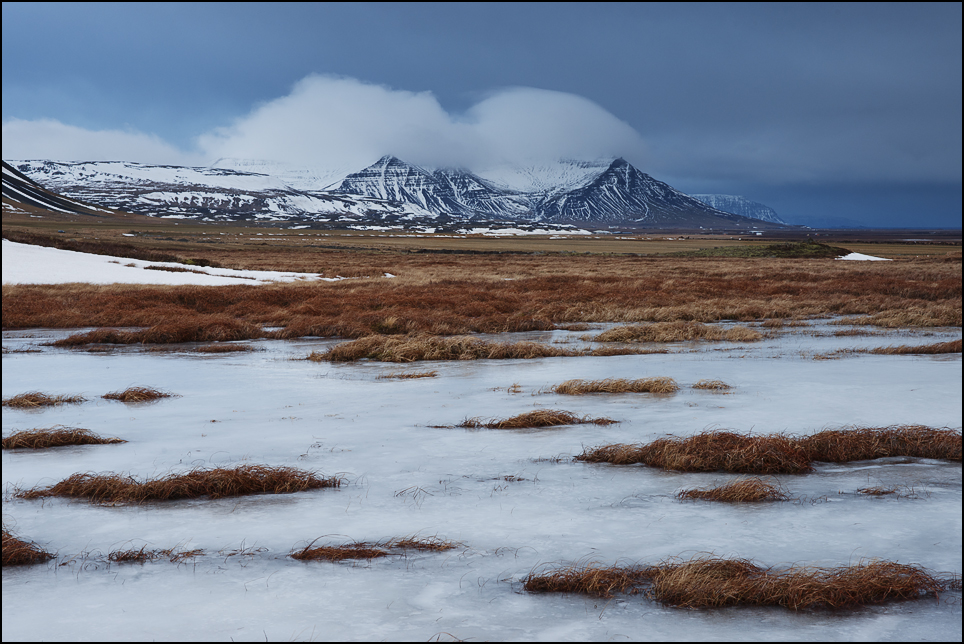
<point>741,206</point>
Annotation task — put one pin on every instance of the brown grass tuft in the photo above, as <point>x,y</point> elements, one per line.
<point>678,331</point>
<point>134,556</point>
<point>712,582</point>
<point>17,552</point>
<point>373,550</point>
<point>590,579</point>
<point>709,452</point>
<point>215,483</point>
<point>223,348</point>
<point>954,346</point>
<point>878,490</point>
<point>537,418</point>
<point>35,399</point>
<point>866,443</point>
<point>406,375</point>
<point>411,349</point>
<point>742,490</point>
<point>617,386</point>
<point>137,395</point>
<point>57,436</point>
<point>716,385</point>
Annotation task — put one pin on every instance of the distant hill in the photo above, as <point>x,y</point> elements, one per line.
<point>741,206</point>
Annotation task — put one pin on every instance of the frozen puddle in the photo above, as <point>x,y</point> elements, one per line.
<point>405,477</point>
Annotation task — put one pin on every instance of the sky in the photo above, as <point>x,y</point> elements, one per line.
<point>846,111</point>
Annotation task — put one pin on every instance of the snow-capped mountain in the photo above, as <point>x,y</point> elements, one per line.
<point>741,206</point>
<point>207,193</point>
<point>388,192</point>
<point>20,190</point>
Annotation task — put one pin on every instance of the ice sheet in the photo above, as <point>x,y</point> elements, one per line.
<point>405,477</point>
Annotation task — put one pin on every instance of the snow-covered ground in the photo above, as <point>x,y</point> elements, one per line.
<point>29,264</point>
<point>860,257</point>
<point>406,477</point>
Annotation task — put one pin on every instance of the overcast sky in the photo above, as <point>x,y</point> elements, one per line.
<point>835,110</point>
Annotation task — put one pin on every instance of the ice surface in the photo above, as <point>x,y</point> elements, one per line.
<point>406,477</point>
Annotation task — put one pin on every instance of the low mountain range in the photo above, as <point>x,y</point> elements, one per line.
<point>393,193</point>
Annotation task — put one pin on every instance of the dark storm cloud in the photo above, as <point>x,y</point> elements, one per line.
<point>720,95</point>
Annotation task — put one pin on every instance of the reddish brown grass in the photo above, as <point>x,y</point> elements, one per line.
<point>954,346</point>
<point>712,582</point>
<point>866,443</point>
<point>17,552</point>
<point>373,550</point>
<point>743,490</point>
<point>132,555</point>
<point>709,452</point>
<point>223,348</point>
<point>215,483</point>
<point>57,436</point>
<point>679,331</point>
<point>779,454</point>
<point>201,329</point>
<point>35,399</point>
<point>137,395</point>
<point>617,386</point>
<point>715,385</point>
<point>411,349</point>
<point>532,419</point>
<point>407,375</point>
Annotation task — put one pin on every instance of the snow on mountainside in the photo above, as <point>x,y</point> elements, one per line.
<point>740,206</point>
<point>388,192</point>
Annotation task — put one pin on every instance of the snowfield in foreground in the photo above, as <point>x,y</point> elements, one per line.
<point>514,498</point>
<point>29,264</point>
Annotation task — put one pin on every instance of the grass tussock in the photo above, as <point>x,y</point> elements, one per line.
<point>742,490</point>
<point>17,552</point>
<point>713,385</point>
<point>223,348</point>
<point>214,483</point>
<point>657,385</point>
<point>710,452</point>
<point>373,550</point>
<point>954,346</point>
<point>878,490</point>
<point>37,399</point>
<point>780,454</point>
<point>591,579</point>
<point>407,375</point>
<point>866,443</point>
<point>58,436</point>
<point>209,328</point>
<point>678,331</point>
<point>137,395</point>
<point>713,582</point>
<point>533,419</point>
<point>411,349</point>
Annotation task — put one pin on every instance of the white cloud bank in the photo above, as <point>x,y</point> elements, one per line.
<point>336,122</point>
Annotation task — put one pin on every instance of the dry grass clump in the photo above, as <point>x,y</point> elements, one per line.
<point>373,550</point>
<point>57,436</point>
<point>678,331</point>
<point>17,552</point>
<point>742,490</point>
<point>590,579</point>
<point>223,348</point>
<point>709,452</point>
<point>406,375</point>
<point>411,349</point>
<point>137,395</point>
<point>537,418</point>
<point>878,490</point>
<point>35,399</point>
<point>715,385</point>
<point>712,582</point>
<point>866,443</point>
<point>617,386</point>
<point>214,483</point>
<point>199,328</point>
<point>954,346</point>
<point>134,555</point>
